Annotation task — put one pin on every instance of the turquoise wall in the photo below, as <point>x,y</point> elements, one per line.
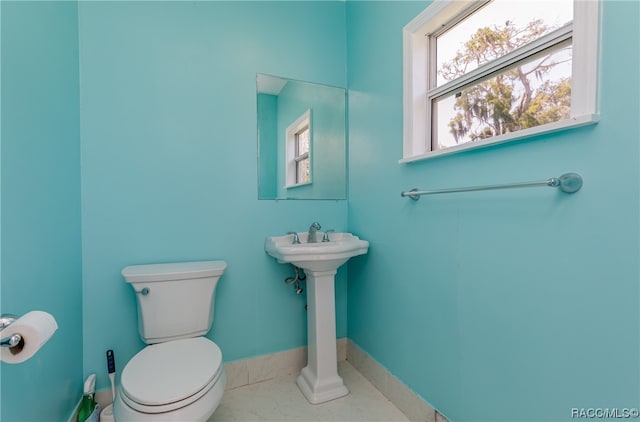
<point>267,106</point>
<point>168,100</point>
<point>40,173</point>
<point>495,306</point>
<point>506,305</point>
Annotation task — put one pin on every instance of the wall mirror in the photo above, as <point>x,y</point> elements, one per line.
<point>301,139</point>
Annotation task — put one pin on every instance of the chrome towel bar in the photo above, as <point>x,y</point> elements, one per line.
<point>568,183</point>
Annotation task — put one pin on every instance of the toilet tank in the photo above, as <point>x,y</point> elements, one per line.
<point>175,300</point>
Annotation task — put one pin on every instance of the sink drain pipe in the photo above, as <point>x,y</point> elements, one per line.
<point>300,276</point>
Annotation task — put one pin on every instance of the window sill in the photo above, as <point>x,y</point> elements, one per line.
<point>573,122</point>
<point>298,185</point>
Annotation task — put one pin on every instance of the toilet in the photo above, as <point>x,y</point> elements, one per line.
<point>179,375</point>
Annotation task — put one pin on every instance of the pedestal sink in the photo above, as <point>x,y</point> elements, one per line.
<point>319,380</point>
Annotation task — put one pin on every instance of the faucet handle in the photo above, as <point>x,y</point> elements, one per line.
<point>296,239</point>
<point>325,238</point>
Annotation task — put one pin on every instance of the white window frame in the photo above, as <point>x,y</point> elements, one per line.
<point>291,157</point>
<point>418,50</point>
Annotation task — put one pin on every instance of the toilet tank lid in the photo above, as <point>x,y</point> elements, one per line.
<point>173,271</point>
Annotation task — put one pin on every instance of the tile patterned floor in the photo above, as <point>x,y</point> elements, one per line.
<point>279,400</point>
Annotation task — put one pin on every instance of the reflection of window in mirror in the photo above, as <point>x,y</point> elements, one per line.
<point>298,151</point>
<point>302,156</point>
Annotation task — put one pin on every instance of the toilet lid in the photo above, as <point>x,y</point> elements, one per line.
<point>170,372</point>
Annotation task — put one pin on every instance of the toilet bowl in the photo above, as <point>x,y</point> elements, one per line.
<point>181,380</point>
<point>180,375</point>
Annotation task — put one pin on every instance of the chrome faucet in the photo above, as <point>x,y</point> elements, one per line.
<point>315,226</point>
<point>325,238</point>
<point>296,239</point>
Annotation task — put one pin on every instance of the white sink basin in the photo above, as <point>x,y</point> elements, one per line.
<point>319,381</point>
<point>320,256</point>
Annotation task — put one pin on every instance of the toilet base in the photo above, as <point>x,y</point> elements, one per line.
<point>107,414</point>
<point>329,389</point>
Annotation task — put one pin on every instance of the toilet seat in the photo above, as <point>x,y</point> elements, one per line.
<point>168,376</point>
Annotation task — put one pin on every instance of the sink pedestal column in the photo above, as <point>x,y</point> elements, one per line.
<point>319,380</point>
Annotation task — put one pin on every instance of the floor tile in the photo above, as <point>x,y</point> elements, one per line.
<point>280,400</point>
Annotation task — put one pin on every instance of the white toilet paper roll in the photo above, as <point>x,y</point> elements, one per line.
<point>35,328</point>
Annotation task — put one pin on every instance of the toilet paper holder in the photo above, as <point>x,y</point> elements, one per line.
<point>14,340</point>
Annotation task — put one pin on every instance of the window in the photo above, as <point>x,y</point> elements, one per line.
<point>302,155</point>
<point>298,151</point>
<point>478,73</point>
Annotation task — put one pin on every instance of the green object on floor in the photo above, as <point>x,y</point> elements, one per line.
<point>89,410</point>
<point>87,407</point>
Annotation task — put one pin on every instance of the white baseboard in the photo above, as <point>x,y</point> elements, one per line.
<point>257,369</point>
<point>261,368</point>
<point>409,403</point>
<point>103,397</point>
